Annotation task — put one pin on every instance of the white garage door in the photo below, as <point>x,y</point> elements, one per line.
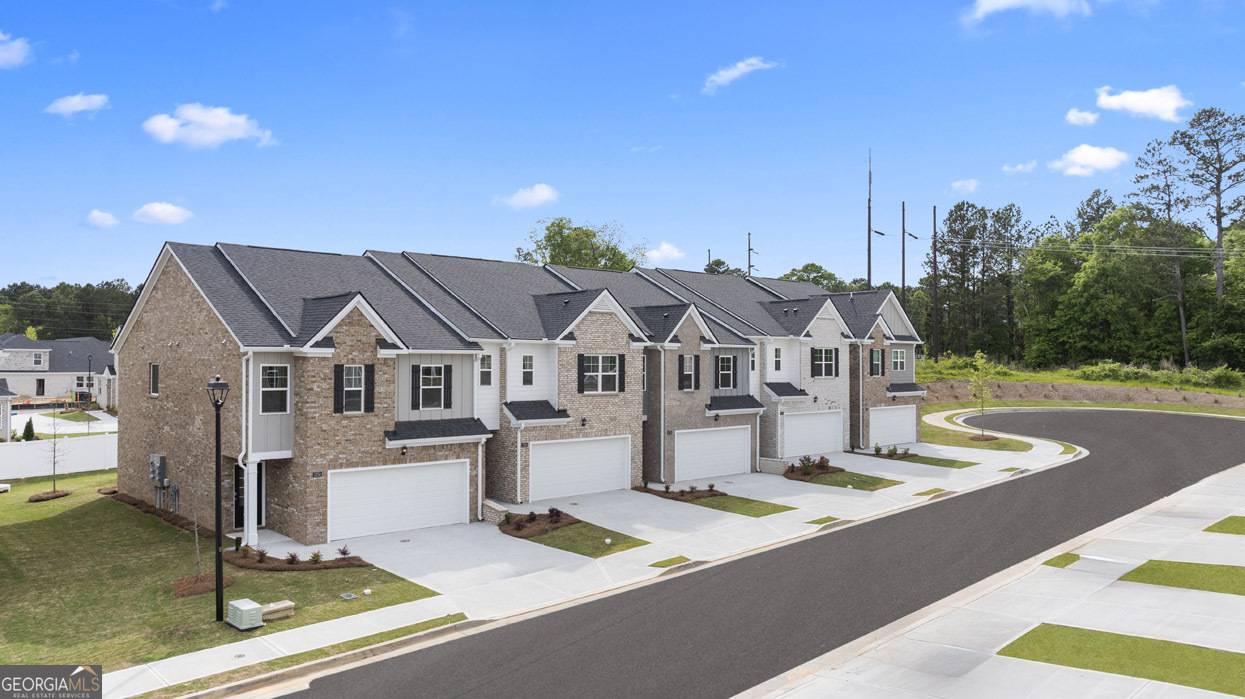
<point>577,466</point>
<point>817,432</point>
<point>381,499</point>
<point>895,425</point>
<point>712,452</point>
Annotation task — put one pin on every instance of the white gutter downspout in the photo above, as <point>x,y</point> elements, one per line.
<point>480,481</point>
<point>661,421</point>
<point>860,429</point>
<point>756,461</point>
<point>518,465</point>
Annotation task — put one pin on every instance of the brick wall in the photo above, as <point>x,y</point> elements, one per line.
<point>179,330</point>
<point>874,389</point>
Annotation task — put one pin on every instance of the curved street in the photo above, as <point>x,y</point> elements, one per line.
<point>724,629</point>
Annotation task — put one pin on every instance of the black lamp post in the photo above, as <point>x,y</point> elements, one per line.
<point>218,390</point>
<point>90,382</point>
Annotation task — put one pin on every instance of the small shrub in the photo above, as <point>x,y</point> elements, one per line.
<point>644,483</point>
<point>877,449</point>
<point>712,487</point>
<point>505,519</point>
<point>892,452</point>
<point>691,488</point>
<point>291,558</point>
<point>28,433</point>
<point>667,487</point>
<point>315,556</point>
<point>344,551</point>
<point>807,468</point>
<point>790,468</point>
<point>531,516</point>
<point>261,555</point>
<point>904,451</point>
<point>823,464</point>
<point>555,515</point>
<point>246,551</point>
<point>518,525</point>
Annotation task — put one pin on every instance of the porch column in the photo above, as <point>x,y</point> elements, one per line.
<point>250,515</point>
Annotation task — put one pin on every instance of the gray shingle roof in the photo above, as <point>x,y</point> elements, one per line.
<point>794,315</point>
<point>735,295</point>
<point>859,309</point>
<point>904,388</point>
<point>437,429</point>
<point>18,341</point>
<point>67,355</point>
<point>436,295</point>
<point>4,389</point>
<point>239,306</point>
<point>501,291</point>
<point>302,287</point>
<point>791,289</point>
<point>734,403</point>
<point>558,311</point>
<point>534,410</point>
<point>784,389</point>
<point>659,322</point>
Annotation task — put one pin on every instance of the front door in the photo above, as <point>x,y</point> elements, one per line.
<point>239,496</point>
<point>39,387</point>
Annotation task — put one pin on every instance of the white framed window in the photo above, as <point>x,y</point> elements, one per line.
<point>752,360</point>
<point>899,359</point>
<point>600,373</point>
<point>726,371</point>
<point>38,359</point>
<point>486,370</point>
<point>153,379</point>
<point>529,370</point>
<point>431,386</point>
<point>687,382</point>
<point>352,388</point>
<point>777,359</point>
<point>875,362</point>
<point>274,389</point>
<point>823,362</point>
<point>84,382</point>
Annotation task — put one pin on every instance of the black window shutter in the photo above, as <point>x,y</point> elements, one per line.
<point>682,379</point>
<point>717,376</point>
<point>447,387</point>
<point>836,361</point>
<point>735,371</point>
<point>580,373</point>
<point>812,362</point>
<point>417,396</point>
<point>696,372</point>
<point>337,388</point>
<point>622,373</point>
<point>883,362</point>
<point>369,388</point>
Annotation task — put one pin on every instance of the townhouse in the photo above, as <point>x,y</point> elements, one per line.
<point>396,390</point>
<point>54,371</point>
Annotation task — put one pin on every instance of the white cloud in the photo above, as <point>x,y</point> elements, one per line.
<point>162,212</point>
<point>1078,117</point>
<point>1020,167</point>
<point>71,57</point>
<point>528,197</point>
<point>1159,102</point>
<point>70,105</point>
<point>982,9</point>
<point>13,52</point>
<point>197,126</point>
<point>1085,160</point>
<point>965,186</point>
<point>101,219</point>
<point>730,74</point>
<point>664,253</point>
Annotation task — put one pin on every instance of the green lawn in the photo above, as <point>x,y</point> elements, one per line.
<point>927,371</point>
<point>72,416</point>
<point>283,662</point>
<point>41,436</point>
<point>931,492</point>
<point>1063,560</point>
<point>851,479</point>
<point>1009,469</point>
<point>1147,658</point>
<point>1165,407</point>
<point>588,540</point>
<point>823,520</point>
<point>1067,448</point>
<point>936,461</point>
<point>933,434</point>
<point>87,580</point>
<point>1194,576</point>
<point>741,506</point>
<point>1228,525</point>
<point>668,562</point>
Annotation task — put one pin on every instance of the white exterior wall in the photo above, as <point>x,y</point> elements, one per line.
<point>832,393</point>
<point>790,370</point>
<point>545,362</point>
<point>23,360</point>
<point>6,422</point>
<point>488,398</point>
<point>55,385</point>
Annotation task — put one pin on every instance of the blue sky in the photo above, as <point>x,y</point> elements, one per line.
<point>414,125</point>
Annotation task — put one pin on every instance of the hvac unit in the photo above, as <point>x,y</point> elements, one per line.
<point>245,614</point>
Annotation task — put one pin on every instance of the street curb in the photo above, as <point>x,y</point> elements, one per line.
<point>270,678</point>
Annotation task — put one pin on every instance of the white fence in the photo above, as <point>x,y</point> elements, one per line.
<point>73,455</point>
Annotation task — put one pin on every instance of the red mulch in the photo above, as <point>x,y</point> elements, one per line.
<point>236,558</point>
<point>798,475</point>
<point>698,494</point>
<point>47,495</point>
<point>192,585</point>
<point>107,490</point>
<point>521,527</point>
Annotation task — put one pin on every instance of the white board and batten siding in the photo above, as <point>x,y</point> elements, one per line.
<point>488,398</point>
<point>814,432</point>
<point>712,452</point>
<point>462,386</point>
<point>566,467</point>
<point>382,499</point>
<point>892,425</point>
<point>272,432</point>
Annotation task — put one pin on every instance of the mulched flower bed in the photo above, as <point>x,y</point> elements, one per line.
<point>278,563</point>
<point>174,519</point>
<point>192,585</point>
<point>798,475</point>
<point>698,494</point>
<point>107,490</point>
<point>529,525</point>
<point>47,495</point>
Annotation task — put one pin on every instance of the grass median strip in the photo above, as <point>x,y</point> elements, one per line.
<point>1067,448</point>
<point>931,492</point>
<point>741,506</point>
<point>1228,525</point>
<point>947,437</point>
<point>1193,576</point>
<point>1063,560</point>
<point>1147,658</point>
<point>588,540</point>
<point>71,415</point>
<point>669,562</point>
<point>823,520</point>
<point>1009,469</point>
<point>258,669</point>
<point>853,480</point>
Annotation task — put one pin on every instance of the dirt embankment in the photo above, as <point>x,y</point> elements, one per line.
<point>959,390</point>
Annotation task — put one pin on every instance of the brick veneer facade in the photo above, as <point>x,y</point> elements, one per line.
<point>607,414</point>
<point>873,389</point>
<point>178,329</point>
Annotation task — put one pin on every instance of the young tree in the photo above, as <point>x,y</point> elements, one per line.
<point>1213,165</point>
<point>719,266</point>
<point>979,381</point>
<point>28,434</point>
<point>559,241</point>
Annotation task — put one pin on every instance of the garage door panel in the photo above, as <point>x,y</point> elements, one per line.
<point>812,433</point>
<point>712,453</point>
<point>578,466</point>
<point>366,501</point>
<point>892,425</point>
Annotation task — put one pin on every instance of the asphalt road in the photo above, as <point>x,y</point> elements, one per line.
<point>724,629</point>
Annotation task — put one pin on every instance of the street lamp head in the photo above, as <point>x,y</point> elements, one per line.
<point>912,236</point>
<point>218,390</point>
<point>877,232</point>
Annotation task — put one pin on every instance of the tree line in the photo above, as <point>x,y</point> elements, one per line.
<point>66,310</point>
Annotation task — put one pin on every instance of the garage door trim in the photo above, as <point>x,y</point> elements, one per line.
<point>712,429</point>
<point>838,446</point>
<point>328,485</point>
<point>627,480</point>
<point>891,409</point>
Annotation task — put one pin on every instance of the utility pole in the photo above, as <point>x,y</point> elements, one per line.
<point>869,225</point>
<point>903,254</point>
<point>936,324</point>
<point>750,252</point>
